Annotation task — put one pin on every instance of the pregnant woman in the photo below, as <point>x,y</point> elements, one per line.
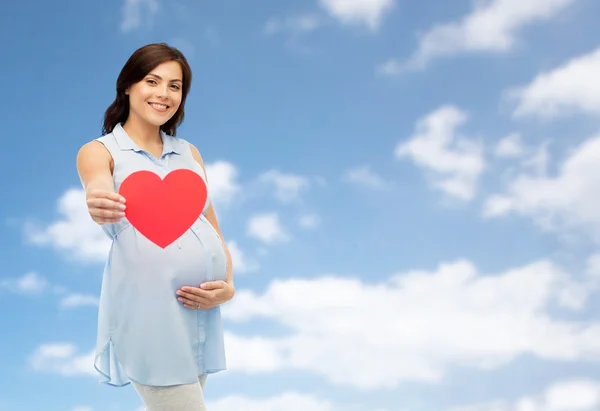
<point>159,321</point>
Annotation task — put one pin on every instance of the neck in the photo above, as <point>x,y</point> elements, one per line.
<point>141,132</point>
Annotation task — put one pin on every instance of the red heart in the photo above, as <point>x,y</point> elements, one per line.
<point>162,210</point>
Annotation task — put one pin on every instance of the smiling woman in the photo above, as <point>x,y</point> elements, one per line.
<point>150,69</point>
<point>159,324</point>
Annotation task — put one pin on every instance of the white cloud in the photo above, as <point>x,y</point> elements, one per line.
<point>359,12</point>
<point>538,160</point>
<point>471,319</point>
<point>391,67</point>
<point>83,408</point>
<point>593,266</point>
<point>465,323</point>
<point>78,237</point>
<point>222,182</point>
<point>572,87</point>
<point>30,283</point>
<point>79,300</point>
<point>298,24</point>
<point>267,228</point>
<point>288,401</point>
<point>453,162</point>
<point>63,359</point>
<point>366,177</point>
<point>571,395</point>
<point>491,26</point>
<point>568,201</point>
<point>288,187</point>
<point>74,234</point>
<point>241,264</point>
<point>33,284</point>
<point>252,354</point>
<point>309,221</point>
<point>135,12</point>
<point>510,146</point>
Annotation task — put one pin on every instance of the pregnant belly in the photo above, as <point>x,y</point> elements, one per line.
<point>140,265</point>
<point>144,314</point>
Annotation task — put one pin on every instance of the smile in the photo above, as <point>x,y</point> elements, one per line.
<point>159,107</point>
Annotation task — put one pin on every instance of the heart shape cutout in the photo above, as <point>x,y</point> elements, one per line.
<point>162,210</point>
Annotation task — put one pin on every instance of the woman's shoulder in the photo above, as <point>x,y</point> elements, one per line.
<point>184,145</point>
<point>96,147</point>
<point>179,142</point>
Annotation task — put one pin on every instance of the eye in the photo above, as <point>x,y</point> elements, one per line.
<point>150,81</point>
<point>175,87</point>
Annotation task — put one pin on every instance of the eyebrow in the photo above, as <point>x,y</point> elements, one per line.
<point>160,78</point>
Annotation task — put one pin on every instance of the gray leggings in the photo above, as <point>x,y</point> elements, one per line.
<point>186,397</point>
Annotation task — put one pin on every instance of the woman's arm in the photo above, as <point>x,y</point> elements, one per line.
<point>212,218</point>
<point>94,165</point>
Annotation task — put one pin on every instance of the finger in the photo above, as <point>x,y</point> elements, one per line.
<point>106,214</point>
<point>197,307</point>
<point>212,285</point>
<point>110,195</point>
<point>193,291</point>
<point>186,301</point>
<point>193,302</point>
<point>107,220</point>
<point>193,298</point>
<point>95,202</point>
<point>105,203</point>
<point>116,197</point>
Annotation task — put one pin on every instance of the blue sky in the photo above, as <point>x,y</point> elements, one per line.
<point>410,195</point>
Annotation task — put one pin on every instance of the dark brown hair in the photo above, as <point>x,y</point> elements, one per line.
<point>141,62</point>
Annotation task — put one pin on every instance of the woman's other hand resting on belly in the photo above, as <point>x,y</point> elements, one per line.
<point>209,295</point>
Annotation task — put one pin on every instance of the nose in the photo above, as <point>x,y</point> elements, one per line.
<point>161,92</point>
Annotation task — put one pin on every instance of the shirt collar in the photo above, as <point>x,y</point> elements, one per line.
<point>126,143</point>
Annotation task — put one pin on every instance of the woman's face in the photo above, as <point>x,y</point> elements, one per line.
<point>156,98</point>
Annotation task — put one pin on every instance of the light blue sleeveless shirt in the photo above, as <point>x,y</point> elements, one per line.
<point>145,334</point>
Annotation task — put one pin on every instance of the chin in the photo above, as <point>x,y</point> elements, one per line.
<point>158,120</point>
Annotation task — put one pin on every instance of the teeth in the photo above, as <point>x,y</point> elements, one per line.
<point>158,105</point>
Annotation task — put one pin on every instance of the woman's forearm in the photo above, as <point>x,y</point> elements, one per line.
<point>229,278</point>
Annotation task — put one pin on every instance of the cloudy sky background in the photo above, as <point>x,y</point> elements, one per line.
<point>410,194</point>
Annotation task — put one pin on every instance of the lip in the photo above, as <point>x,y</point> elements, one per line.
<point>161,110</point>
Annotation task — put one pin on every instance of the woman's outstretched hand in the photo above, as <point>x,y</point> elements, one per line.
<point>208,295</point>
<point>105,206</point>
